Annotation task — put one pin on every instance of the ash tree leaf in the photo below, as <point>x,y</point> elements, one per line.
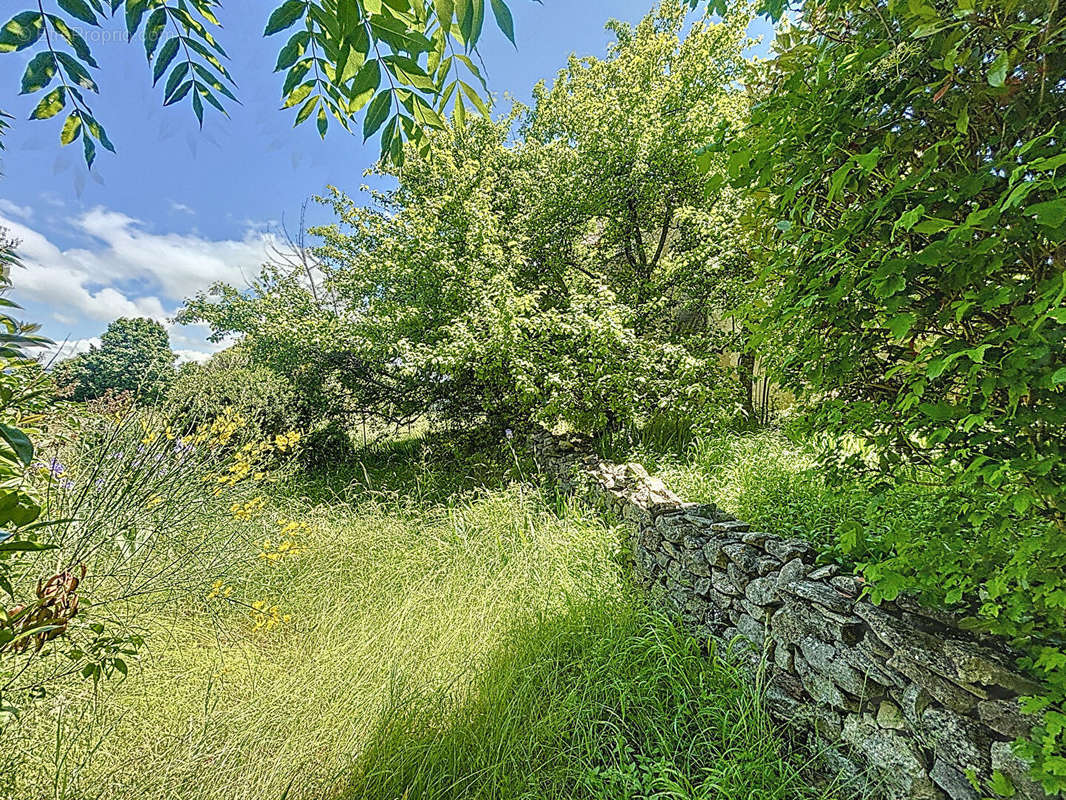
<point>74,39</point>
<point>89,147</point>
<point>285,16</point>
<point>164,59</point>
<point>135,10</point>
<point>39,72</point>
<point>79,9</point>
<point>504,19</point>
<point>322,122</point>
<point>21,31</point>
<point>153,31</point>
<point>71,128</point>
<point>76,72</point>
<point>176,76</point>
<point>51,104</point>
<point>308,107</point>
<point>376,114</point>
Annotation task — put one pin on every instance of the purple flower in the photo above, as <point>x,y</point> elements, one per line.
<point>56,468</point>
<point>67,485</point>
<point>100,484</point>
<point>117,454</point>
<point>509,433</point>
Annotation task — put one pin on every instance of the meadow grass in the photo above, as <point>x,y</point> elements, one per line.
<point>443,631</point>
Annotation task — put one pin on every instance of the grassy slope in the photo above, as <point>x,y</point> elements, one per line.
<point>443,644</point>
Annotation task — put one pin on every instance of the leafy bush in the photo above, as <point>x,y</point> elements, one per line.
<point>328,447</point>
<point>232,380</point>
<point>910,158</point>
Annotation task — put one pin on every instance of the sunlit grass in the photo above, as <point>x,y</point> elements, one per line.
<point>441,644</point>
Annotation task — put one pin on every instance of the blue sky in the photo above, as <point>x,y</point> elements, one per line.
<point>178,208</point>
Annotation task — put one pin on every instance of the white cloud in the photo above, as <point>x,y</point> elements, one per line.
<point>68,349</point>
<point>191,355</point>
<point>7,207</point>
<point>124,270</point>
<point>181,208</point>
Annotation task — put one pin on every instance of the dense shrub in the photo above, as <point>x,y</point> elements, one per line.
<point>910,156</point>
<point>231,379</point>
<point>328,447</point>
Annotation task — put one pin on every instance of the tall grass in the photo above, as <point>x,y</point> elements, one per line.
<point>441,641</point>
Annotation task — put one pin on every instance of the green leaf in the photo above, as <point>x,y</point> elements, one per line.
<point>164,58</point>
<point>76,72</point>
<point>135,10</point>
<point>1051,212</point>
<point>39,72</point>
<point>376,114</point>
<point>285,16</point>
<point>21,31</point>
<point>504,19</point>
<point>997,72</point>
<point>323,122</point>
<point>900,325</point>
<point>79,9</point>
<point>308,107</point>
<point>364,86</point>
<point>89,147</point>
<point>153,31</point>
<point>292,51</point>
<point>71,128</point>
<point>932,225</point>
<point>51,105</point>
<point>74,39</point>
<point>174,81</point>
<point>19,442</point>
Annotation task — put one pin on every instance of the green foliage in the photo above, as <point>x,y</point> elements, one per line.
<point>403,61</point>
<point>21,387</point>
<point>231,380</point>
<point>134,356</point>
<point>910,158</point>
<point>560,276</point>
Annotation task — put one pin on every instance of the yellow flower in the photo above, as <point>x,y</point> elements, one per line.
<point>154,500</point>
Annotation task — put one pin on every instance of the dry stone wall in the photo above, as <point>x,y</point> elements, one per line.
<point>895,695</point>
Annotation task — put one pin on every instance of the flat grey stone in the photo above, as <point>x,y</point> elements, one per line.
<point>752,630</point>
<point>960,741</point>
<point>821,573</point>
<point>1005,717</point>
<point>788,549</point>
<point>721,583</point>
<point>1004,760</point>
<point>763,592</point>
<point>744,556</point>
<point>821,594</point>
<point>892,758</point>
<point>794,570</point>
<point>890,716</point>
<point>953,782</point>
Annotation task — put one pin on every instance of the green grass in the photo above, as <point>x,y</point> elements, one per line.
<point>452,635</point>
